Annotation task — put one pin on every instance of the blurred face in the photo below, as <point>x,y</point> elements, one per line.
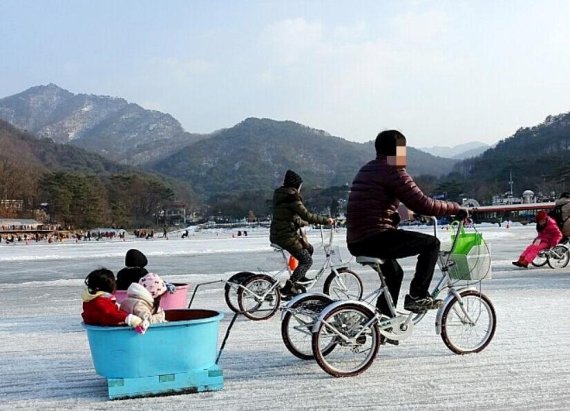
<point>399,160</point>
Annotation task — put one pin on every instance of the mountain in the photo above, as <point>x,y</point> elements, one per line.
<point>254,155</point>
<point>242,155</point>
<point>25,150</point>
<point>538,158</point>
<point>118,130</point>
<point>458,152</point>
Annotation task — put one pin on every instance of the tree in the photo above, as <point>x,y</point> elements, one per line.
<point>76,200</point>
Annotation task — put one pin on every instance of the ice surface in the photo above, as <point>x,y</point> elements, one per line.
<point>45,361</point>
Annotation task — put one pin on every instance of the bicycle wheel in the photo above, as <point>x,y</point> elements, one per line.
<point>558,256</point>
<point>258,297</point>
<point>356,341</point>
<point>231,289</point>
<point>346,285</point>
<point>540,260</point>
<point>297,325</point>
<point>469,326</point>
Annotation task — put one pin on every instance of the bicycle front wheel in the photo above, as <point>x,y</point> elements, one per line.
<point>297,325</point>
<point>558,256</point>
<point>231,289</point>
<point>468,326</point>
<point>258,297</point>
<point>355,336</point>
<point>540,260</point>
<point>343,285</point>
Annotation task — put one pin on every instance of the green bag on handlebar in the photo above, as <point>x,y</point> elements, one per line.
<point>470,255</point>
<point>465,241</point>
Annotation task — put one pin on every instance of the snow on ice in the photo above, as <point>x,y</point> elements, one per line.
<point>45,361</point>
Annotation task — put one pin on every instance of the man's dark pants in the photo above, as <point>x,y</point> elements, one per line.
<point>393,244</point>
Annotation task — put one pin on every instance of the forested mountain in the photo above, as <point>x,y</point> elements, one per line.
<point>537,157</point>
<point>231,164</point>
<point>82,189</point>
<point>118,130</point>
<point>254,155</point>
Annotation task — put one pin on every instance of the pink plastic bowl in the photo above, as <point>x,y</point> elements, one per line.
<point>176,300</point>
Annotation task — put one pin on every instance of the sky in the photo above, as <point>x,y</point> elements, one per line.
<point>442,72</point>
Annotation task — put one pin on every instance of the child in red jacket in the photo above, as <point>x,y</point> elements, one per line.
<point>548,236</point>
<point>99,305</point>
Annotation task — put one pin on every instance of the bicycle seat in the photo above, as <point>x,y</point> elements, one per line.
<point>369,260</point>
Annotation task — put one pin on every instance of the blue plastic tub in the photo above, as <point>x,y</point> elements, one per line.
<point>188,342</point>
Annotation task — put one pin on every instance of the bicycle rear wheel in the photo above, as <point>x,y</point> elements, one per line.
<point>258,297</point>
<point>297,325</point>
<point>346,285</point>
<point>231,289</point>
<point>356,340</point>
<point>468,326</point>
<point>558,256</point>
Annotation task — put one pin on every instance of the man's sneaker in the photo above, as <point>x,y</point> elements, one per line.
<point>419,305</point>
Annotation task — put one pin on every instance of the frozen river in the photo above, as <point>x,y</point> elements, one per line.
<point>45,362</point>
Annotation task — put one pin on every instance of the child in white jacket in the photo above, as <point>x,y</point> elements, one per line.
<point>143,298</point>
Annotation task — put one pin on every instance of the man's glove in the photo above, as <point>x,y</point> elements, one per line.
<point>171,288</point>
<point>462,214</point>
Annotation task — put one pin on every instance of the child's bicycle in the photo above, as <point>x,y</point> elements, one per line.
<point>556,257</point>
<point>258,296</point>
<point>347,334</point>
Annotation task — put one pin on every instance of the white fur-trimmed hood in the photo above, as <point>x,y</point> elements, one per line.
<point>136,290</point>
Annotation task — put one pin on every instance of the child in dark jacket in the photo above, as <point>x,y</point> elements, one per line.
<point>99,305</point>
<point>289,215</point>
<point>135,263</point>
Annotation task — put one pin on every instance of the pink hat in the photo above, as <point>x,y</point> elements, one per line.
<point>541,215</point>
<point>153,284</point>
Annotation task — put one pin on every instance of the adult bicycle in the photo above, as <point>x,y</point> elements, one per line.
<point>346,335</point>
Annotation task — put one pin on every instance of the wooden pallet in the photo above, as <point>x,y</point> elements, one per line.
<point>211,379</point>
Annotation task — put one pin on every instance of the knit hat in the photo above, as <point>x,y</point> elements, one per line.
<point>387,141</point>
<point>153,284</point>
<point>541,215</point>
<point>292,179</point>
<point>134,258</point>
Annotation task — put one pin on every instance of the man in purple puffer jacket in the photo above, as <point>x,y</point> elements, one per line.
<point>372,220</point>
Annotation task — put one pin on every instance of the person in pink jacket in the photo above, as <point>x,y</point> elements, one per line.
<point>548,236</point>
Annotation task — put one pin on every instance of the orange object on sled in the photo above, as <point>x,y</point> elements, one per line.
<point>293,262</point>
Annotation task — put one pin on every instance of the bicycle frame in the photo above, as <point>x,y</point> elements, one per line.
<point>327,264</point>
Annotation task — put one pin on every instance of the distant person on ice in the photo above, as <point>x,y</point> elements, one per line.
<point>548,236</point>
<point>563,202</point>
<point>289,215</point>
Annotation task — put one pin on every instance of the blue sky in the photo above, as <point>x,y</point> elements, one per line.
<point>442,72</point>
